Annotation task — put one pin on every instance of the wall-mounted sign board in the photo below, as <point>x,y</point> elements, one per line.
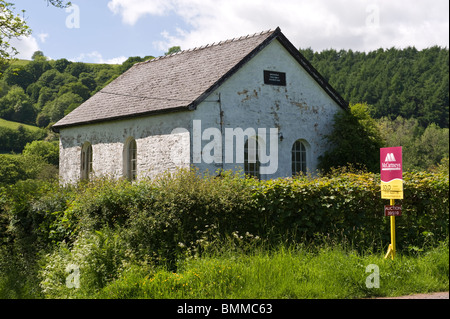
<point>274,78</point>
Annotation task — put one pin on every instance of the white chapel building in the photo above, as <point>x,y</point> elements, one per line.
<point>253,104</point>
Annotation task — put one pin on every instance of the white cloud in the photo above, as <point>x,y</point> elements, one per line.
<point>319,24</point>
<point>132,11</point>
<point>26,47</point>
<point>97,57</point>
<point>43,37</point>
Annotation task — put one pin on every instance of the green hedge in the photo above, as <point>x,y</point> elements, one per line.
<point>105,226</point>
<point>187,211</point>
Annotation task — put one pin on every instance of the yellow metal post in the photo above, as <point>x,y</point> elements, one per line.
<point>391,249</point>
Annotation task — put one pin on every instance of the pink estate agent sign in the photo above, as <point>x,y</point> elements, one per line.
<point>391,171</point>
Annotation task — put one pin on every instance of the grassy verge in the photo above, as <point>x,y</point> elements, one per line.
<point>289,273</point>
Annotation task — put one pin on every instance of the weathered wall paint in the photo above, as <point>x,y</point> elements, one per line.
<point>157,149</point>
<point>300,110</point>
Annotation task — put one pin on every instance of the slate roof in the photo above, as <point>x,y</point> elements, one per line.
<point>179,81</point>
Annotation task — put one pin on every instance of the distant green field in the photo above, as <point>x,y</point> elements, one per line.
<point>20,62</point>
<point>15,125</point>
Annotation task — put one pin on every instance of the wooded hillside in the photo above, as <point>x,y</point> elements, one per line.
<point>41,92</point>
<point>393,82</point>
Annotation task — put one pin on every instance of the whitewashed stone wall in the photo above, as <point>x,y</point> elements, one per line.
<point>300,110</point>
<point>157,149</point>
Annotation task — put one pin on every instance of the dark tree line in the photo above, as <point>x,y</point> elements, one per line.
<point>394,82</point>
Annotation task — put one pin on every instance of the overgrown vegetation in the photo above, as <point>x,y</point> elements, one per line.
<point>163,234</point>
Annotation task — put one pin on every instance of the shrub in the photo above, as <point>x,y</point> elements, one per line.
<point>48,151</point>
<point>94,260</point>
<point>14,140</point>
<point>185,214</point>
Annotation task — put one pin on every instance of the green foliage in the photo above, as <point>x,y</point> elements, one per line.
<point>355,140</point>
<point>423,148</point>
<point>12,26</point>
<point>98,256</point>
<point>15,139</point>
<point>42,92</point>
<point>61,65</point>
<point>393,82</point>
<point>37,54</point>
<point>108,228</point>
<point>48,151</point>
<point>77,68</point>
<point>295,272</point>
<point>432,147</point>
<point>17,106</point>
<point>173,50</point>
<point>14,168</point>
<point>131,61</point>
<point>58,107</point>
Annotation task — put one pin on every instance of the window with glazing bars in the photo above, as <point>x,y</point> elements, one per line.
<point>131,160</point>
<point>251,160</point>
<point>86,161</point>
<point>298,158</point>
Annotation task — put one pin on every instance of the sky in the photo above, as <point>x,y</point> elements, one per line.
<point>110,31</point>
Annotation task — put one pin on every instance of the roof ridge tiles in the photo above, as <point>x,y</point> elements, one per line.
<point>209,45</point>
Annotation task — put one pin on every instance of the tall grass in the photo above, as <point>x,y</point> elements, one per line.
<point>293,273</point>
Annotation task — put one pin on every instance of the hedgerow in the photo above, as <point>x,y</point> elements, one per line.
<point>184,214</point>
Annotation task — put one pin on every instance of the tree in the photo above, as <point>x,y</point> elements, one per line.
<point>59,3</point>
<point>128,63</point>
<point>173,50</point>
<point>42,120</point>
<point>77,68</point>
<point>87,79</point>
<point>432,146</point>
<point>355,140</point>
<point>17,106</point>
<point>18,76</point>
<point>423,149</point>
<point>56,108</point>
<point>402,132</point>
<point>61,64</point>
<point>14,168</point>
<point>406,82</point>
<point>48,151</point>
<point>12,25</point>
<point>37,54</point>
<point>77,88</point>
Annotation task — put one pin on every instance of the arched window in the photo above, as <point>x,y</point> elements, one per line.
<point>130,159</point>
<point>251,159</point>
<point>299,164</point>
<point>86,161</point>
